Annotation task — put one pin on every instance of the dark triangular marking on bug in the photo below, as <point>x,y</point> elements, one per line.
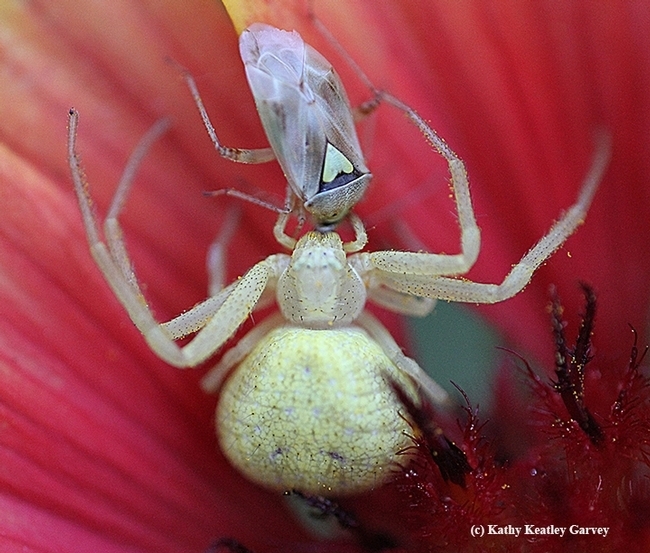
<point>337,170</point>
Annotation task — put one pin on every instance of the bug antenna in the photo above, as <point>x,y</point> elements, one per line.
<point>234,193</point>
<point>327,34</point>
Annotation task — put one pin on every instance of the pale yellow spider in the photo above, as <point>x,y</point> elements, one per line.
<point>309,405</point>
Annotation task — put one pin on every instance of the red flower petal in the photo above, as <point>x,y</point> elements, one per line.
<point>103,446</point>
<point>106,448</point>
<point>522,89</point>
<point>519,91</point>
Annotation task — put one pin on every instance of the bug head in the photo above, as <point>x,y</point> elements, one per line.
<point>308,121</point>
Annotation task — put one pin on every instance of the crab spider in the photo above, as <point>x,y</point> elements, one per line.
<point>307,403</point>
<point>306,396</point>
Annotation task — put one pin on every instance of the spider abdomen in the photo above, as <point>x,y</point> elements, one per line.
<point>312,410</point>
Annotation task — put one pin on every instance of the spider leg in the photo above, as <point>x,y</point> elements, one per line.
<point>367,107</point>
<point>399,302</point>
<point>470,238</point>
<point>470,233</point>
<point>235,355</point>
<point>217,318</point>
<point>216,258</point>
<point>380,335</point>
<point>239,301</point>
<point>407,275</point>
<point>112,230</point>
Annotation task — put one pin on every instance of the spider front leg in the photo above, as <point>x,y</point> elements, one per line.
<point>215,319</point>
<point>414,274</point>
<point>470,234</point>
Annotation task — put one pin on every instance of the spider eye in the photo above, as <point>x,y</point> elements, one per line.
<point>338,170</point>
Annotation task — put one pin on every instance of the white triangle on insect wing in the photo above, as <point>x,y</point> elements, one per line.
<point>335,163</point>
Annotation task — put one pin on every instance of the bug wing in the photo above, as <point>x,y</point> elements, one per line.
<point>305,110</point>
<point>274,62</point>
<point>340,184</point>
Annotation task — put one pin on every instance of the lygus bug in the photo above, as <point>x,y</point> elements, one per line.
<point>307,118</point>
<point>309,405</point>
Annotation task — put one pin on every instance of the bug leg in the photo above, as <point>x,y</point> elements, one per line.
<point>369,106</point>
<point>408,277</point>
<point>240,155</point>
<point>280,227</point>
<point>279,231</point>
<point>380,335</point>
